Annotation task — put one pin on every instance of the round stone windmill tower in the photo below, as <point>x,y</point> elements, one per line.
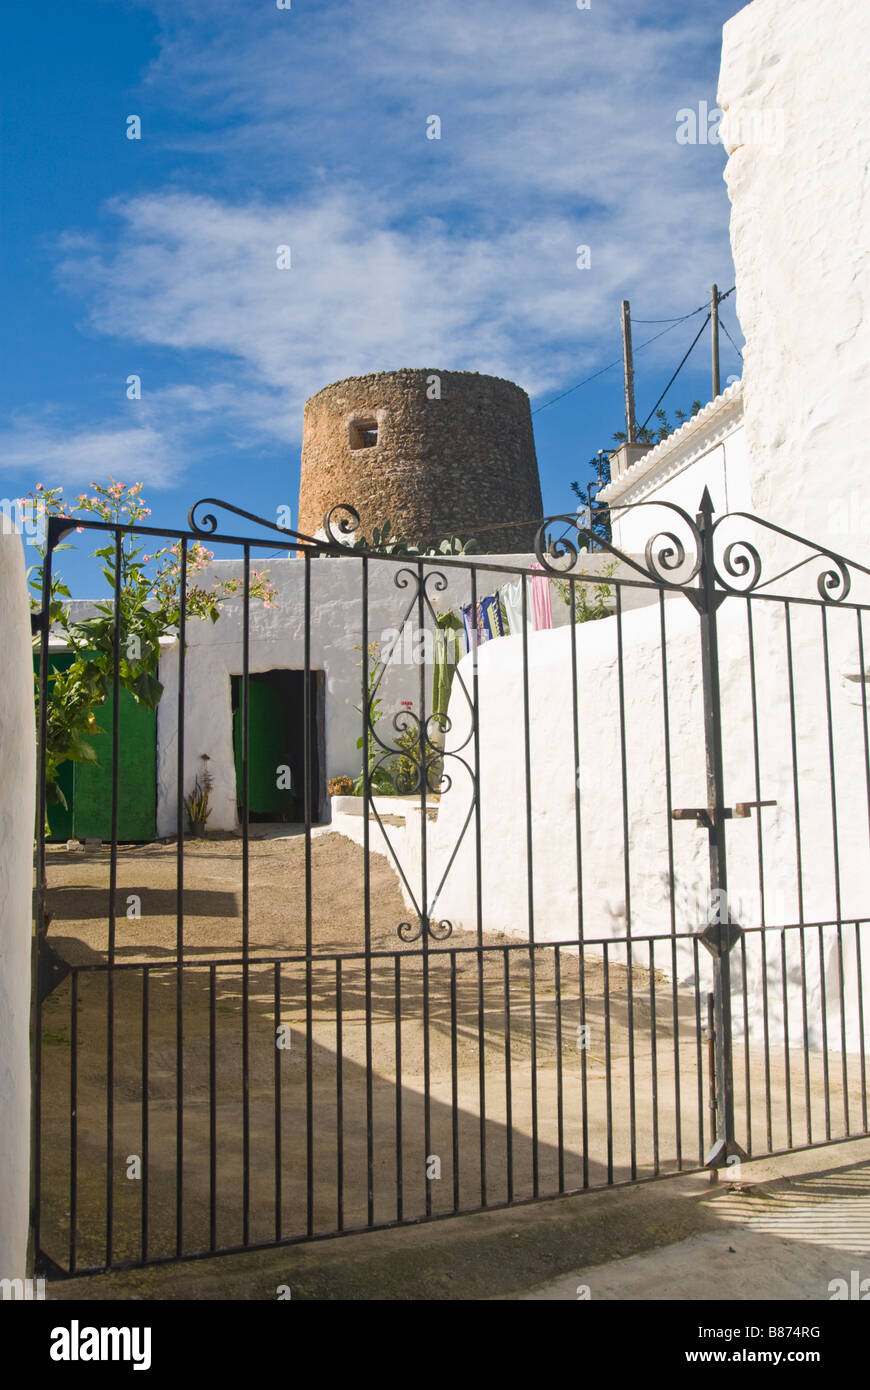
<point>436,454</point>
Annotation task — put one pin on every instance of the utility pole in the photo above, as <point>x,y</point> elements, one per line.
<point>714,319</point>
<point>628,366</point>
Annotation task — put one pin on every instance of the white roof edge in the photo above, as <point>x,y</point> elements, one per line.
<point>731,399</point>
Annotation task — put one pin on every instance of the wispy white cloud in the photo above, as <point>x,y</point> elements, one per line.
<point>68,457</point>
<point>557,130</point>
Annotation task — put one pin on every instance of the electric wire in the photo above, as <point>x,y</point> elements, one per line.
<point>672,324</point>
<point>677,372</point>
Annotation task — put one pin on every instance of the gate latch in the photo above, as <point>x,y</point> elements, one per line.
<point>706,817</point>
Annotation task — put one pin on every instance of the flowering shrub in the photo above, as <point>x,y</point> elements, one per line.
<point>149,607</point>
<point>340,786</point>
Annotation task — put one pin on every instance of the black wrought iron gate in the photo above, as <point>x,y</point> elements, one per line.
<point>493,985</point>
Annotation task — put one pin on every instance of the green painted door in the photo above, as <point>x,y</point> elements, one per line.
<point>269,748</point>
<point>137,776</point>
<point>88,786</point>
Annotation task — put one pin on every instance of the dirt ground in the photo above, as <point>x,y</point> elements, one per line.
<point>468,1084</point>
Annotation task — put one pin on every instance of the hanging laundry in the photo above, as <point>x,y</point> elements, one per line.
<point>512,597</point>
<point>543,613</point>
<point>490,619</point>
<point>470,626</point>
<point>448,651</point>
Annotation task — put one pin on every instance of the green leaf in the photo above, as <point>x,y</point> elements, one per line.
<point>80,752</point>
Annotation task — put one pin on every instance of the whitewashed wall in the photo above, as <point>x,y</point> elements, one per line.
<point>793,86</point>
<point>17,801</point>
<point>605,849</point>
<point>707,451</point>
<point>277,642</point>
<point>800,212</point>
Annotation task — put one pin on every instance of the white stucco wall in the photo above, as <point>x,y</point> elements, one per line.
<point>707,451</point>
<point>793,84</point>
<point>17,800</point>
<point>277,641</point>
<point>604,847</point>
<point>800,212</point>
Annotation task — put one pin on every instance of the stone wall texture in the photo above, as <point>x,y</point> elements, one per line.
<point>444,466</point>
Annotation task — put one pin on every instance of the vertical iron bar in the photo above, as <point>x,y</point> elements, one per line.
<point>711,1061</point>
<point>627,872</point>
<point>179,905</point>
<point>581,981</point>
<point>560,1112</point>
<point>835,832</point>
<point>478,869</point>
<point>146,982</point>
<point>73,1120</point>
<point>786,1038</point>
<point>823,1004</point>
<point>278,1100</point>
<point>806,1034</point>
<point>454,1082</point>
<point>309,938</point>
<point>866,728</point>
<point>799,868</point>
<point>367,889</point>
<point>397,966</point>
<point>708,602</point>
<point>765,1016</point>
<point>52,538</point>
<point>212,1106</point>
<point>339,1098</point>
<point>669,805</point>
<point>608,1079</point>
<point>423,747</point>
<point>843,1052</point>
<point>654,1054</point>
<point>246,772</point>
<point>530,889</point>
<point>747,1078</point>
<point>756,758</point>
<point>861,1044</point>
<point>113,888</point>
<point>509,1138</point>
<point>699,1052</point>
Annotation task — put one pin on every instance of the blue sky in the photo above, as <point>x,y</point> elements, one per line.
<point>307,127</point>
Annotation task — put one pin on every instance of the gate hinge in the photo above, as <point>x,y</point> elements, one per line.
<point>51,970</point>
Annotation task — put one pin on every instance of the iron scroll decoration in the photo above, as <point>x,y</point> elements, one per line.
<point>737,567</point>
<point>665,552</point>
<point>422,758</point>
<point>342,519</point>
<point>673,559</point>
<point>741,559</point>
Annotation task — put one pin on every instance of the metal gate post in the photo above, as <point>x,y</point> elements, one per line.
<point>721,934</point>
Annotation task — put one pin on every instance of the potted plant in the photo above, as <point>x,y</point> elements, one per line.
<point>196,803</point>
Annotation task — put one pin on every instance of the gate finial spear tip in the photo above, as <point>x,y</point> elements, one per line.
<point>706,504</point>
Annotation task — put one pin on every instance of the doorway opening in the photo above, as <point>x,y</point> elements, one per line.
<point>276,745</point>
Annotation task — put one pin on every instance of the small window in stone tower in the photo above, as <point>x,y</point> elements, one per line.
<point>363,434</point>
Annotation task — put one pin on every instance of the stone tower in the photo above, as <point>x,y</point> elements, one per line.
<point>436,454</point>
